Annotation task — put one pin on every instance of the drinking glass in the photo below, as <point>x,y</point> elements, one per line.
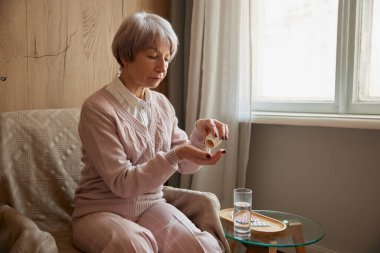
<point>242,212</point>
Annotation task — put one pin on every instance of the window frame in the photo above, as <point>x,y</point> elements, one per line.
<point>346,78</point>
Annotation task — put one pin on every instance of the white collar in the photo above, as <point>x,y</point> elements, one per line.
<point>128,96</point>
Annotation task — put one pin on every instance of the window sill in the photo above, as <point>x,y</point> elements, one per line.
<point>323,120</point>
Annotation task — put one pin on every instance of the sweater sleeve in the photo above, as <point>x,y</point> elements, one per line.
<point>104,152</point>
<point>179,137</point>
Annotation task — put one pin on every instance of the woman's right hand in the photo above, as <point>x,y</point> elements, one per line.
<point>198,156</point>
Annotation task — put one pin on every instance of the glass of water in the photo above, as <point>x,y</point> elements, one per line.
<point>242,212</point>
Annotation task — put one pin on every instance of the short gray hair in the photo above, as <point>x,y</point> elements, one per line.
<point>140,31</point>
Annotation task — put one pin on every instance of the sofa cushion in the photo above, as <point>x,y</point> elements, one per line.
<point>22,234</point>
<point>40,163</point>
<point>40,166</point>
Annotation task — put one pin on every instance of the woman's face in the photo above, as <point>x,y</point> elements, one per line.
<point>148,68</point>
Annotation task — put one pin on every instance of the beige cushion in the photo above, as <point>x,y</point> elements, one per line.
<point>22,234</point>
<point>40,167</point>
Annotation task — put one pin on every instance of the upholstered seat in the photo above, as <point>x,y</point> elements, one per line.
<point>40,163</point>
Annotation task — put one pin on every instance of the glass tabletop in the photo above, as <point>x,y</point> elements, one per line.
<point>300,231</point>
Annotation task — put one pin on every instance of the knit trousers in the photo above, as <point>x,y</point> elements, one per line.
<point>161,228</point>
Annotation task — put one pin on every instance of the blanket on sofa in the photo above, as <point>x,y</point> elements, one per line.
<point>40,167</point>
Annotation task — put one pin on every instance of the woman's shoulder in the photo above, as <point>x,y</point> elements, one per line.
<point>158,95</point>
<point>160,99</point>
<point>163,105</point>
<point>100,100</point>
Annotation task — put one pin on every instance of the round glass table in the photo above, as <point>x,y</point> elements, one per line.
<point>299,232</point>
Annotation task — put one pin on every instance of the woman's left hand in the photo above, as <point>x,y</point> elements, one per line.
<point>198,156</point>
<point>212,126</point>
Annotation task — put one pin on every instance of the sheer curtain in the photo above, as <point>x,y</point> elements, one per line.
<point>219,87</point>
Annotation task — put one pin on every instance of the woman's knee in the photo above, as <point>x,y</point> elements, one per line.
<point>209,243</point>
<point>192,243</point>
<point>136,241</point>
<point>111,233</point>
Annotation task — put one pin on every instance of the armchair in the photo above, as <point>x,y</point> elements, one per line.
<point>40,162</point>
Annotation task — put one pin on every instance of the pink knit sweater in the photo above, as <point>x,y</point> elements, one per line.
<point>126,163</point>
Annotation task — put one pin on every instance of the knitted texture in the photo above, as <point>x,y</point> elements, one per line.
<point>126,162</point>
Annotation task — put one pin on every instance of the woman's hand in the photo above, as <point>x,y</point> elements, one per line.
<point>198,156</point>
<point>212,126</point>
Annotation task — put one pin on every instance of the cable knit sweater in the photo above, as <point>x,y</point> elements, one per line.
<point>125,162</point>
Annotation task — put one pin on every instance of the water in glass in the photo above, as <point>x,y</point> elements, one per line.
<point>242,219</point>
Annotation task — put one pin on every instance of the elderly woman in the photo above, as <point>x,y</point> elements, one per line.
<point>131,145</point>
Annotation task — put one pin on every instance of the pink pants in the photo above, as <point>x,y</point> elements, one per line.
<point>162,228</point>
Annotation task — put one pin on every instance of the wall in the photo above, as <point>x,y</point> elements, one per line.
<point>57,52</point>
<point>331,175</point>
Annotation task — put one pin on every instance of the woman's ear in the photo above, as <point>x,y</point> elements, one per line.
<point>124,62</point>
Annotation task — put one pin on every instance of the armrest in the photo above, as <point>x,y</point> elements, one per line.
<point>18,233</point>
<point>202,208</point>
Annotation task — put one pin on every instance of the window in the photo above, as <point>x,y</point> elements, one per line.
<point>316,56</point>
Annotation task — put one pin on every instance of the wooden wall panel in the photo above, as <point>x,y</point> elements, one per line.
<point>91,48</point>
<point>13,49</point>
<point>57,52</point>
<point>69,49</point>
<point>46,33</point>
<point>160,7</point>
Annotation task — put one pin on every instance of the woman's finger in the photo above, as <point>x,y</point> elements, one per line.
<point>221,129</point>
<point>212,127</point>
<point>227,131</point>
<point>212,160</point>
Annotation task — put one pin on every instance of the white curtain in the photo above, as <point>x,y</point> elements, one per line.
<point>219,87</point>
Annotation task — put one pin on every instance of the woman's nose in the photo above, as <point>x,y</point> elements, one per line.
<point>161,65</point>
